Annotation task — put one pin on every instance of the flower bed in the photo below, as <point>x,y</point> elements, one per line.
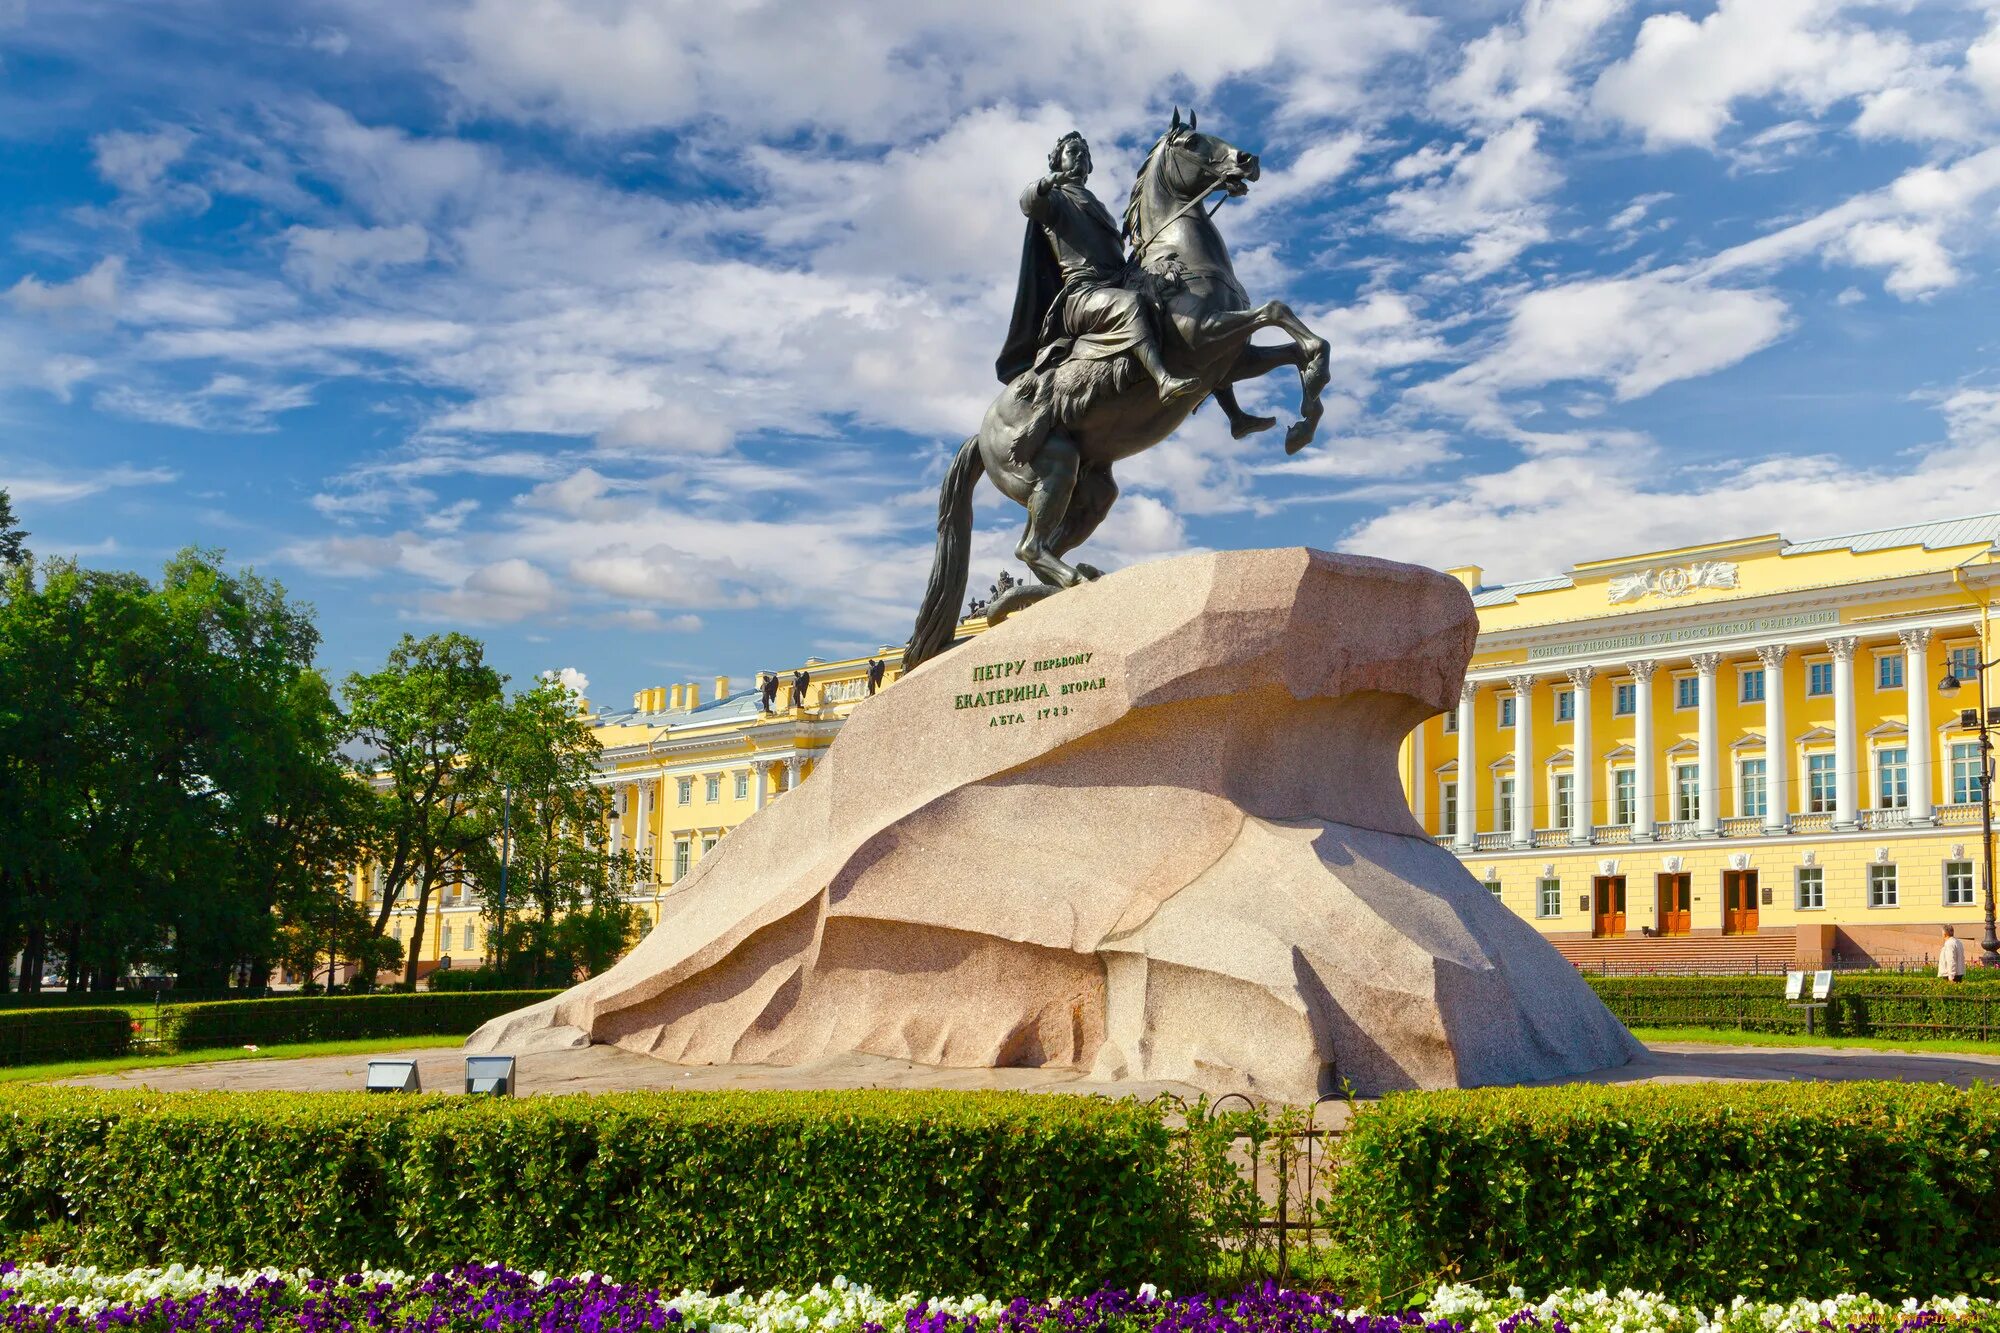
<point>490,1299</point>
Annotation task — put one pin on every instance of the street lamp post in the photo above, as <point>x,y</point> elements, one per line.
<point>1989,945</point>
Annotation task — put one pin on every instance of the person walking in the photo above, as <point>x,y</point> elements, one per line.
<point>1951,957</point>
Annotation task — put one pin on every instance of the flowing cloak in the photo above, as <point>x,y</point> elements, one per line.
<point>1035,291</point>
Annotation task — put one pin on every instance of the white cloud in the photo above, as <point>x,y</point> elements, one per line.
<point>570,679</point>
<point>137,163</point>
<point>500,593</point>
<point>324,257</point>
<point>227,402</point>
<point>1492,196</point>
<point>1684,77</point>
<point>1546,513</point>
<point>38,483</point>
<point>1636,334</point>
<point>1526,66</point>
<point>95,290</point>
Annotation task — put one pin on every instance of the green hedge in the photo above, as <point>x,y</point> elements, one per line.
<point>457,980</point>
<point>1699,1190</point>
<point>1877,1004</point>
<point>337,1017</point>
<point>36,1036</point>
<point>934,1191</point>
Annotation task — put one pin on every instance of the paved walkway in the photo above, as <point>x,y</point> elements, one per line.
<point>608,1069</point>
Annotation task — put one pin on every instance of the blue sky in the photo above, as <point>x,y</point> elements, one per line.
<point>631,334</point>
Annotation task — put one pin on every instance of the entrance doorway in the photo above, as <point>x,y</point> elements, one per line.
<point>1675,919</point>
<point>1607,918</point>
<point>1739,902</point>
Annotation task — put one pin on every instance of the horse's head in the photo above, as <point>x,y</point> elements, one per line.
<point>1193,163</point>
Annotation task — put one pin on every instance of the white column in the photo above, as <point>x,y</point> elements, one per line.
<point>1468,786</point>
<point>642,837</point>
<point>1644,761</point>
<point>1777,747</point>
<point>1709,748</point>
<point>1917,691</point>
<point>1583,766</point>
<point>760,778</point>
<point>1846,753</point>
<point>617,818</point>
<point>792,768</point>
<point>1524,759</point>
<point>1418,796</point>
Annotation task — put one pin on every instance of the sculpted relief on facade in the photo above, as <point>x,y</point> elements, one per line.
<point>1672,580</point>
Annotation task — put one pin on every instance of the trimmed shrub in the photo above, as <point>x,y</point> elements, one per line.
<point>934,1190</point>
<point>63,1032</point>
<point>458,980</point>
<point>337,1017</point>
<point>1698,1190</point>
<point>1872,1004</point>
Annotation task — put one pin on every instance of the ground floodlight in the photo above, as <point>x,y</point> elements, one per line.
<point>1795,986</point>
<point>393,1076</point>
<point>1822,984</point>
<point>491,1075</point>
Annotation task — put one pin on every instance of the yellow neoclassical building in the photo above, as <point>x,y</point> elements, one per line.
<point>1715,756</point>
<point>1726,752</point>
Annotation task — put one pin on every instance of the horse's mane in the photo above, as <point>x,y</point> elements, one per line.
<point>1131,228</point>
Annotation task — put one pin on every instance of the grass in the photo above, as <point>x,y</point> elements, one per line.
<point>1734,1037</point>
<point>159,1060</point>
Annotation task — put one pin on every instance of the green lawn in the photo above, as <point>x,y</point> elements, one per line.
<point>359,1046</point>
<point>1732,1037</point>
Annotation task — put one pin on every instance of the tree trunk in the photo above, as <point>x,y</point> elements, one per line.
<point>31,960</point>
<point>417,935</point>
<point>73,978</point>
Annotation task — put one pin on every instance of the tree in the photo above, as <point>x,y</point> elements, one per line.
<point>169,771</point>
<point>419,717</point>
<point>13,541</point>
<point>566,907</point>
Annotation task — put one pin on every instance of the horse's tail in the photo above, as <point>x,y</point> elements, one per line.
<point>939,615</point>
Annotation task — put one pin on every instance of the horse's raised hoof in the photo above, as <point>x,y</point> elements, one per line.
<point>1016,597</point>
<point>1088,571</point>
<point>1244,427</point>
<point>1298,435</point>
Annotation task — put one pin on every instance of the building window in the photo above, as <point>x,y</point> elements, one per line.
<point>1451,722</point>
<point>1548,897</point>
<point>707,845</point>
<point>683,852</point>
<point>1493,887</point>
<point>1565,789</point>
<point>1565,705</point>
<point>1504,807</point>
<point>1687,792</point>
<point>742,786</point>
<point>1958,883</point>
<point>1819,678</point>
<point>1624,795</point>
<point>468,937</point>
<point>1965,772</point>
<point>1812,888</point>
<point>714,791</point>
<point>1821,787</point>
<point>1750,788</point>
<point>1964,662</point>
<point>1448,808</point>
<point>1687,691</point>
<point>1751,685</point>
<point>1889,671</point>
<point>1625,698</point>
<point>1881,886</point>
<point>1506,710</point>
<point>1892,778</point>
<point>684,791</point>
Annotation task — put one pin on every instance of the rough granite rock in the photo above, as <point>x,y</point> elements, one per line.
<point>1186,856</point>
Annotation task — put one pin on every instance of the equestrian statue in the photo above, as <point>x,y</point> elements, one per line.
<point>1109,352</point>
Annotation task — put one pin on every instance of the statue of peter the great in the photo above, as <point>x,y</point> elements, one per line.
<point>1071,301</point>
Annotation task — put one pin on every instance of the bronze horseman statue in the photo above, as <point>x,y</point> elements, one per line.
<point>1110,349</point>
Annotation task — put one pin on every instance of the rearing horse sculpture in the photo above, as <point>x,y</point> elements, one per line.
<point>1050,438</point>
